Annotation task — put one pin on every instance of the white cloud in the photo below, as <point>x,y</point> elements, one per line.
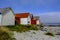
<point>52,17</point>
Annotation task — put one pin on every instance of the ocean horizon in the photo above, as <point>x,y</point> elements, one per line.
<point>56,24</point>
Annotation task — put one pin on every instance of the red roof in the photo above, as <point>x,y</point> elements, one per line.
<point>22,15</point>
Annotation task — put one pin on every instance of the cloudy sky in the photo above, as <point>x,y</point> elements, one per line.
<point>48,10</point>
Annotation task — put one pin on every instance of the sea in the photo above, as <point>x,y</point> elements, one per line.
<point>51,24</point>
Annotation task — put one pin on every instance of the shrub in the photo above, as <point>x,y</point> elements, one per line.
<point>41,26</point>
<point>5,34</point>
<point>33,27</point>
<point>22,28</point>
<point>50,34</point>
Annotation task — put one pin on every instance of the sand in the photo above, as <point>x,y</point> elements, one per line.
<point>34,35</point>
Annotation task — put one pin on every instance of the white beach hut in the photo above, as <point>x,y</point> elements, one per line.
<point>7,17</point>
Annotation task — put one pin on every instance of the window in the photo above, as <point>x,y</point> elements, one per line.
<point>0,13</point>
<point>28,21</point>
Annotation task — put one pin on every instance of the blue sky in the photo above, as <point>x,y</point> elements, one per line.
<point>48,10</point>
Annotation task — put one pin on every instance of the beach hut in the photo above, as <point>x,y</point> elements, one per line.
<point>7,17</point>
<point>37,20</point>
<point>23,18</point>
<point>27,18</point>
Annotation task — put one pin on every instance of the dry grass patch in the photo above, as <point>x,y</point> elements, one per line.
<point>5,34</point>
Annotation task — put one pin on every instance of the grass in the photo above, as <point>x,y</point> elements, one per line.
<point>5,34</point>
<point>22,28</point>
<point>50,34</point>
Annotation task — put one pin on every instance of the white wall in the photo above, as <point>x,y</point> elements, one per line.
<point>38,22</point>
<point>8,18</point>
<point>24,20</point>
<point>0,18</point>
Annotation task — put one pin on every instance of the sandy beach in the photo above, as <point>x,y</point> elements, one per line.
<point>34,35</point>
